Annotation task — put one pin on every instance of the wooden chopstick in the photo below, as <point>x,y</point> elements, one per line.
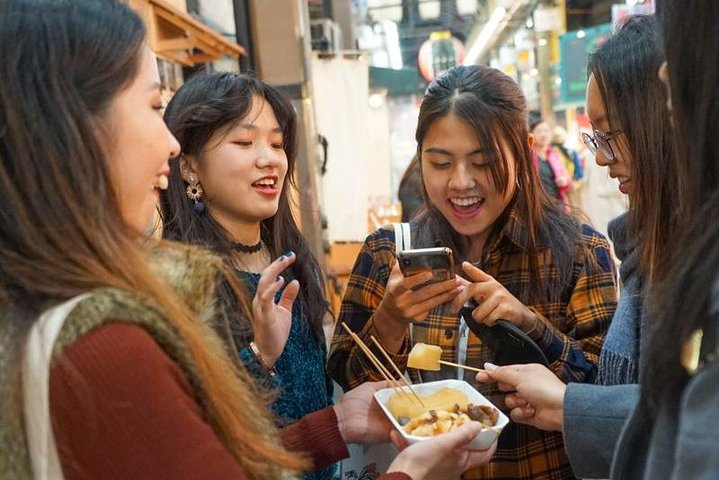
<point>382,370</point>
<point>396,369</point>
<point>474,369</point>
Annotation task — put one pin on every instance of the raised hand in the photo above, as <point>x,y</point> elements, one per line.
<point>445,456</point>
<point>536,395</point>
<point>401,305</point>
<point>271,321</point>
<point>494,301</point>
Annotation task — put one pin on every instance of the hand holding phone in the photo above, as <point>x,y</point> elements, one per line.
<point>421,280</point>
<point>439,261</point>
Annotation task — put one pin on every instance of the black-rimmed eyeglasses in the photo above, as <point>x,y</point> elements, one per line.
<point>600,141</point>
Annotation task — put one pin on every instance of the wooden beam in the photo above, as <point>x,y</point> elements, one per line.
<point>169,44</point>
<point>175,57</point>
<point>201,58</point>
<point>173,34</point>
<point>185,22</point>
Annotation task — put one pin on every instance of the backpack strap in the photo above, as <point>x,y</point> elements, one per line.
<point>402,237</point>
<point>36,389</point>
<point>402,242</point>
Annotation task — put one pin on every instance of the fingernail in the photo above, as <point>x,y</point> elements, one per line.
<point>490,367</point>
<point>288,254</point>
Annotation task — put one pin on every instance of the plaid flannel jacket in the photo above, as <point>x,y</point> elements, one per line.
<point>570,331</point>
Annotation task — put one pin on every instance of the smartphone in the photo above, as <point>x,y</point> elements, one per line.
<point>439,261</point>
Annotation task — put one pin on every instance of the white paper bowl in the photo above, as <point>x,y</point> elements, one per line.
<point>483,440</point>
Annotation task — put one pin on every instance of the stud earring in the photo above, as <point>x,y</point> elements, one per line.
<point>195,193</point>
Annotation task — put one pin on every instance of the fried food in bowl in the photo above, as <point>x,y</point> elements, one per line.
<point>447,405</point>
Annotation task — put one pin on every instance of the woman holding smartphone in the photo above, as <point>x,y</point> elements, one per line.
<point>521,259</point>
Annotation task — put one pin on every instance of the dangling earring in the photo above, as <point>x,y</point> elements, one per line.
<point>195,193</point>
<point>519,185</point>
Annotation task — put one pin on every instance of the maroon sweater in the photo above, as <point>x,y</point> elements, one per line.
<point>122,409</point>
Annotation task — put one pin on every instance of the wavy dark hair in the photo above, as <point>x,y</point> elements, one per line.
<point>61,228</point>
<point>202,107</point>
<point>494,106</point>
<point>625,67</point>
<point>681,298</point>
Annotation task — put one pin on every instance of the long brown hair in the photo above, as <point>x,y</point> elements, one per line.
<point>61,232</point>
<point>493,105</point>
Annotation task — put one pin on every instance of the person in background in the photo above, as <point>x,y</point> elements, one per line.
<point>520,256</point>
<point>570,157</point>
<point>573,165</point>
<point>136,385</point>
<point>622,96</point>
<point>556,181</point>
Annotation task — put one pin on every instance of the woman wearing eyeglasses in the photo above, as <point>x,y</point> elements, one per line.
<point>631,138</point>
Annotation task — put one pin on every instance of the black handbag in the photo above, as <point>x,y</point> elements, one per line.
<point>509,344</point>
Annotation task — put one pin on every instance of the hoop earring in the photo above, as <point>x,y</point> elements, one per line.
<point>195,193</point>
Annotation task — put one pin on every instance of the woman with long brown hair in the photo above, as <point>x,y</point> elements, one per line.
<point>84,155</point>
<point>522,260</point>
<point>107,371</point>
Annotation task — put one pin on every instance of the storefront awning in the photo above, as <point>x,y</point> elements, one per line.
<point>177,37</point>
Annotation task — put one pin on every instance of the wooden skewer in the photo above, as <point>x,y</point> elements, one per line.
<point>396,369</point>
<point>474,369</point>
<point>382,370</point>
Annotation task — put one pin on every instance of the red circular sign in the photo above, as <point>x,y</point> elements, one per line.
<point>437,55</point>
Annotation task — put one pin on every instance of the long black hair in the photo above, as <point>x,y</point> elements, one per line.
<point>493,105</point>
<point>625,67</point>
<point>681,298</point>
<point>203,106</point>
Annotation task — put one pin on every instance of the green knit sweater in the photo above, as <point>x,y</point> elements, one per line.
<point>186,269</point>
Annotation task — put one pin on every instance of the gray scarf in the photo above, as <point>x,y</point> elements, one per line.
<point>619,359</point>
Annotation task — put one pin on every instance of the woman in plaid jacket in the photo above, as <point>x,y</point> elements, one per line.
<point>522,258</point>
